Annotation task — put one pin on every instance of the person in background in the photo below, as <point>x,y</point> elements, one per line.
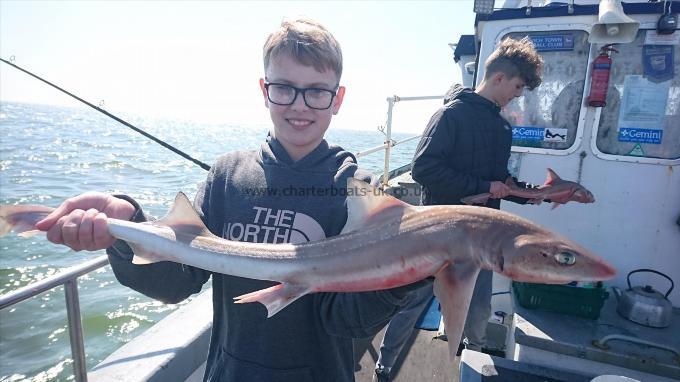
<point>310,340</point>
<point>464,151</point>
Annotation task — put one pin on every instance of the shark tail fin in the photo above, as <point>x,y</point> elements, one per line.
<point>21,219</point>
<point>274,298</point>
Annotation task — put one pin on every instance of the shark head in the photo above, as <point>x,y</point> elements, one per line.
<point>582,195</point>
<point>541,256</point>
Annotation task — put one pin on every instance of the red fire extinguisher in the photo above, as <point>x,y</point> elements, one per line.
<point>600,77</point>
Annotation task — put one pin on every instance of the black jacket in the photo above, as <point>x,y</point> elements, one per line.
<point>465,147</point>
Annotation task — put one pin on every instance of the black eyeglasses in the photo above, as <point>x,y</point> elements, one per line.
<point>315,98</point>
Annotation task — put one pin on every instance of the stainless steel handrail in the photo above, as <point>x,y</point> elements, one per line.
<point>389,142</point>
<point>384,146</point>
<point>602,343</point>
<point>68,278</point>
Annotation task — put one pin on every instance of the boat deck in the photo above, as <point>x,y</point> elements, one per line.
<point>573,342</point>
<point>423,359</point>
<point>165,353</point>
<point>175,348</point>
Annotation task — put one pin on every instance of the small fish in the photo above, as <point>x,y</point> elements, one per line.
<point>385,243</point>
<point>554,187</point>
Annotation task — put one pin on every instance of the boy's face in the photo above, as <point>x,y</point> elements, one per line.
<point>298,127</point>
<point>507,89</point>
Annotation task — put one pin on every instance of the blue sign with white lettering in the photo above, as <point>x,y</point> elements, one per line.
<point>528,133</point>
<point>553,42</point>
<point>631,134</point>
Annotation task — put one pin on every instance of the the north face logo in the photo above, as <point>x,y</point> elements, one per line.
<point>275,226</point>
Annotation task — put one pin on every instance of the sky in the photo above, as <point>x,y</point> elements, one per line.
<point>201,61</point>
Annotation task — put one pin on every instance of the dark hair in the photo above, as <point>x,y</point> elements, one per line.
<point>516,58</point>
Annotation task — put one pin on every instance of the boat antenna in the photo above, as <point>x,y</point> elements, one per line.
<point>140,131</point>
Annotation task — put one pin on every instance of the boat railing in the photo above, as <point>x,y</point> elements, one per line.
<point>69,279</point>
<point>387,131</point>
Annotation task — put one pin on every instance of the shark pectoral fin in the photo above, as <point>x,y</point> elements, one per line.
<point>138,260</point>
<point>453,286</point>
<point>274,298</point>
<point>143,256</point>
<point>367,205</point>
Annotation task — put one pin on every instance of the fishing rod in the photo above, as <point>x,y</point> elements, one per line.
<point>140,131</point>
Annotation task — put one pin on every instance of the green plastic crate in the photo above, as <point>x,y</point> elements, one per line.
<point>566,299</point>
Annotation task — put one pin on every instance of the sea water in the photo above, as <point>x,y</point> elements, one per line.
<point>48,154</point>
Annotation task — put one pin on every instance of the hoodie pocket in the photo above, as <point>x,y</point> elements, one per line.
<point>229,369</point>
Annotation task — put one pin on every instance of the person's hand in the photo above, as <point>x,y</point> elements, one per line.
<point>80,222</point>
<point>498,190</point>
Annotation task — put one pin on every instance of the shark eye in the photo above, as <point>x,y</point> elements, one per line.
<point>565,258</point>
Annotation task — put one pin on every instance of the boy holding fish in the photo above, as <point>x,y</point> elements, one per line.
<point>311,340</point>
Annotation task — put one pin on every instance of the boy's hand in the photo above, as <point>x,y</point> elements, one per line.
<point>498,190</point>
<point>80,222</point>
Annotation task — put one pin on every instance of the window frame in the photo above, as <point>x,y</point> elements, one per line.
<point>594,51</point>
<point>580,128</point>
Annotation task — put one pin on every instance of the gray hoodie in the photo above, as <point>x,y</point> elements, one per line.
<point>264,196</point>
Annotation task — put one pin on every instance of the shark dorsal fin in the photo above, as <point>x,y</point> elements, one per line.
<point>365,203</point>
<point>185,223</point>
<point>552,177</point>
<point>182,216</point>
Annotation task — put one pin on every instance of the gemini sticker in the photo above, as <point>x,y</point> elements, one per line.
<point>555,135</point>
<point>528,133</point>
<point>531,133</point>
<point>653,136</point>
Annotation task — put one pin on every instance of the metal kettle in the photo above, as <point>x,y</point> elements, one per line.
<point>645,305</point>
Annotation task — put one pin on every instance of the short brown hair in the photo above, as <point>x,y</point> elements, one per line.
<point>307,42</point>
<point>516,58</point>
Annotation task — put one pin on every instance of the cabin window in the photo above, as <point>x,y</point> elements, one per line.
<point>548,116</point>
<point>642,115</point>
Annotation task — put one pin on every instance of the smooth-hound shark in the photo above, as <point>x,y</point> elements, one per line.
<point>385,243</point>
<point>554,187</point>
